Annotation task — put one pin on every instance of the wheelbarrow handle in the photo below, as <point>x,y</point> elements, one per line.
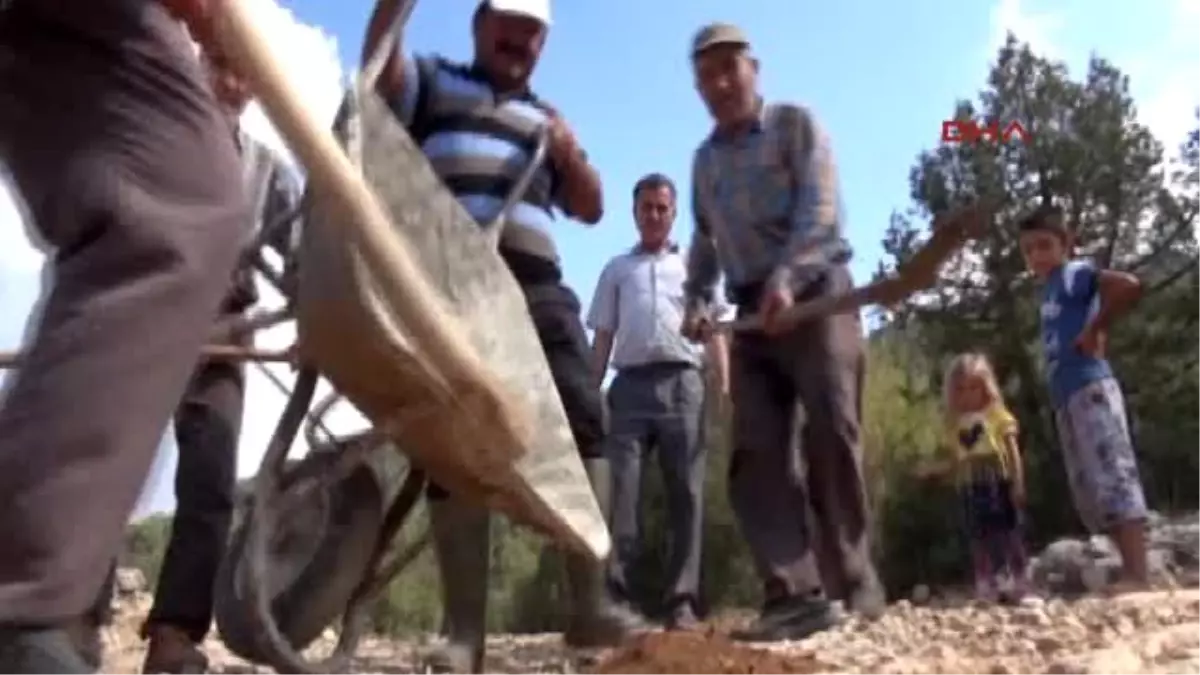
<point>212,352</point>
<point>373,68</point>
<point>518,189</point>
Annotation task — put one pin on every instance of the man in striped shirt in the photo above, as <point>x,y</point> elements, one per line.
<point>768,215</point>
<point>478,124</point>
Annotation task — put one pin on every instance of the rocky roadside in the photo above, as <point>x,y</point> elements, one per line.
<point>1071,629</point>
<point>1157,632</point>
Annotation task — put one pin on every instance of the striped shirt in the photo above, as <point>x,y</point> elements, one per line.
<point>767,206</point>
<point>639,300</point>
<point>479,143</point>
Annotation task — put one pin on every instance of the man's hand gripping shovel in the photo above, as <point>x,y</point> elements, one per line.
<point>951,231</point>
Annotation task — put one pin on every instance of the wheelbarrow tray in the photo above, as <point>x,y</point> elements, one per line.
<point>360,345</point>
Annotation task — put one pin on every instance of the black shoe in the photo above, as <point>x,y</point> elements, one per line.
<point>39,650</point>
<point>793,618</point>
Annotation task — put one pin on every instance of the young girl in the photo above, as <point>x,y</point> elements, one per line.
<point>986,464</point>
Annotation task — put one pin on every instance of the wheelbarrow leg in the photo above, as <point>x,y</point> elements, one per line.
<point>461,538</point>
<point>324,565</point>
<point>262,518</point>
<point>384,567</point>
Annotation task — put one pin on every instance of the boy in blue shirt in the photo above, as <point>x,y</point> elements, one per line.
<point>1079,303</point>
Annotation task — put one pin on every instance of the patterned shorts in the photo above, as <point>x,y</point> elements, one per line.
<point>1098,454</point>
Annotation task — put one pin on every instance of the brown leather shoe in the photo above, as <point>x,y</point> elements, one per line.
<point>171,650</point>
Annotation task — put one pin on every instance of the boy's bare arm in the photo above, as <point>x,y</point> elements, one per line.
<point>1119,292</point>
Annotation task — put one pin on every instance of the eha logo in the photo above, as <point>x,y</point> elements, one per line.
<point>968,131</point>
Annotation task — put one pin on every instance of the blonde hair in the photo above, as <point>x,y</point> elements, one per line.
<point>970,364</point>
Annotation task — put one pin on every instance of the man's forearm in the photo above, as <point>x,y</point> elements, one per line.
<point>807,257</point>
<point>1013,450</point>
<point>189,10</point>
<point>702,270</point>
<point>391,80</point>
<point>718,351</point>
<point>601,350</point>
<point>198,16</point>
<point>582,196</point>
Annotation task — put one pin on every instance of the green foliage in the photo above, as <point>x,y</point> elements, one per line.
<point>916,521</point>
<point>1130,211</point>
<point>146,544</point>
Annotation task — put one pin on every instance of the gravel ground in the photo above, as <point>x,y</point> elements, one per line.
<point>1156,632</point>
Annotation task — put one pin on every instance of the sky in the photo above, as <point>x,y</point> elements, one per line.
<point>880,75</point>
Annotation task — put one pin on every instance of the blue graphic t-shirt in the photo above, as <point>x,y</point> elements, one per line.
<point>1069,299</point>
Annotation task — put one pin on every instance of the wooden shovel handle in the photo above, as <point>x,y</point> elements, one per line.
<point>438,334</point>
<point>950,232</point>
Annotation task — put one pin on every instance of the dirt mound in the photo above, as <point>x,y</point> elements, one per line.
<point>697,652</point>
<point>1157,632</point>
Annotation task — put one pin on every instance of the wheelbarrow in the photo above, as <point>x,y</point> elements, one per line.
<point>403,305</point>
<point>452,375</point>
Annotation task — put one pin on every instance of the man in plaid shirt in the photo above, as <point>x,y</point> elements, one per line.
<point>768,215</point>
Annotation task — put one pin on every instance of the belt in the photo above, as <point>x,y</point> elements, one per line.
<point>747,296</point>
<point>656,367</point>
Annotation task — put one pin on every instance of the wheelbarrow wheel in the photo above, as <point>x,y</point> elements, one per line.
<point>317,556</point>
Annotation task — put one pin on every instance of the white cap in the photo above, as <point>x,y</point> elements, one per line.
<point>534,9</point>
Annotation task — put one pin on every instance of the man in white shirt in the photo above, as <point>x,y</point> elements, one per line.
<point>657,399</point>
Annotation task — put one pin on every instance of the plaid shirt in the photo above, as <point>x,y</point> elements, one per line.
<point>767,207</point>
<point>273,191</point>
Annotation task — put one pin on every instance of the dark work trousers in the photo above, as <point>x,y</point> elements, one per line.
<point>797,402</point>
<point>128,169</point>
<point>207,426</point>
<point>555,309</point>
<point>659,408</point>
